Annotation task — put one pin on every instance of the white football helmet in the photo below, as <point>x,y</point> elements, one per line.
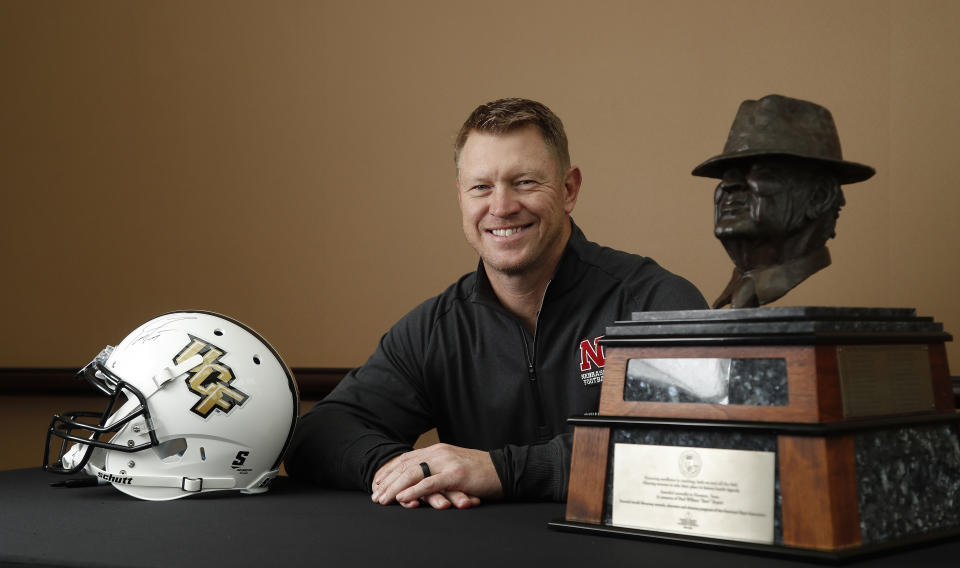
<point>198,402</point>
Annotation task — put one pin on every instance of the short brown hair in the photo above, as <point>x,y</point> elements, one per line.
<point>504,115</point>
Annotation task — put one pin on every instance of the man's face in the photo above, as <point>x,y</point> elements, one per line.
<point>764,198</point>
<point>514,200</point>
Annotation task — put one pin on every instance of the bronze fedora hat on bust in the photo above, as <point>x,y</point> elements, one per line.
<point>778,125</point>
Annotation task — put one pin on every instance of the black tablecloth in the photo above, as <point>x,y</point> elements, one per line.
<point>296,524</point>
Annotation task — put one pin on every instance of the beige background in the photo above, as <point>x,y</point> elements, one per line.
<point>289,163</point>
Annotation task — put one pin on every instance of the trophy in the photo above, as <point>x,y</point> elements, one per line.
<point>823,432</point>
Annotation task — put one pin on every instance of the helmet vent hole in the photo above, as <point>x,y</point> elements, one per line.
<point>171,451</point>
<point>218,332</point>
<point>256,359</point>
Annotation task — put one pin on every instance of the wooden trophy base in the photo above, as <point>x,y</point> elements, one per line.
<point>851,408</point>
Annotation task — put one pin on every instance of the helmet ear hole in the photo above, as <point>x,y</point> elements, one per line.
<point>218,332</point>
<point>256,359</point>
<point>171,450</point>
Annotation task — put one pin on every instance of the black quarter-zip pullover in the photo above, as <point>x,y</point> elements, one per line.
<point>462,363</point>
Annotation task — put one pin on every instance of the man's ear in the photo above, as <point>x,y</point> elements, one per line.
<point>571,183</point>
<point>823,198</point>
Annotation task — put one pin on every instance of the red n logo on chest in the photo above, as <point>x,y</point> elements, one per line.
<point>591,352</point>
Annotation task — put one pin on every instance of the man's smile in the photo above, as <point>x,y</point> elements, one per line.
<point>508,231</point>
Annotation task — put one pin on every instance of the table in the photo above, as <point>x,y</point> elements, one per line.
<point>297,524</point>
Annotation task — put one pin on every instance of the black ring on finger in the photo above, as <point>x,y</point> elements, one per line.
<point>426,469</point>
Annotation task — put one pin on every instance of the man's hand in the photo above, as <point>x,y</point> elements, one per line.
<point>459,476</point>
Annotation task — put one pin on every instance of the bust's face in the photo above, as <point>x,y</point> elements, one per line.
<point>762,198</point>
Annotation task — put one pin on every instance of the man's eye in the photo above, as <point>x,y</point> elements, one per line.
<point>526,182</point>
<point>480,187</point>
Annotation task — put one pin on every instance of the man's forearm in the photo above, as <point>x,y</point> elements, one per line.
<point>537,472</point>
<point>333,449</point>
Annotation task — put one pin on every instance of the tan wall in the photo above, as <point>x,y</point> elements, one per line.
<point>288,163</point>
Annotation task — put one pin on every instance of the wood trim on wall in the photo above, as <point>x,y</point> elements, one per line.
<point>314,382</point>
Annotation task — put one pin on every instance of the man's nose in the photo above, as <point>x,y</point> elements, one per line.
<point>731,185</point>
<point>732,181</point>
<point>503,201</point>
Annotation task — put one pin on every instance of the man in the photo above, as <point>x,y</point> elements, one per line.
<point>501,359</point>
<point>779,196</point>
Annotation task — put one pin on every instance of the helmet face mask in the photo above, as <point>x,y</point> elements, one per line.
<point>117,414</point>
<point>197,402</point>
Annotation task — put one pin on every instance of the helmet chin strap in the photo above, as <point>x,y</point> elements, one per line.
<point>74,455</point>
<point>187,484</point>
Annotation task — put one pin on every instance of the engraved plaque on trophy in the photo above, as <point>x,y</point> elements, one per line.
<point>884,379</point>
<point>696,491</point>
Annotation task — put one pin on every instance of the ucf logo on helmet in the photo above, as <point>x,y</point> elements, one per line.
<point>211,379</point>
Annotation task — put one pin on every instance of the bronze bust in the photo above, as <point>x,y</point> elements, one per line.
<point>779,196</point>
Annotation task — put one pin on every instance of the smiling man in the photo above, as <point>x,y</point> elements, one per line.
<point>516,197</point>
<point>501,359</point>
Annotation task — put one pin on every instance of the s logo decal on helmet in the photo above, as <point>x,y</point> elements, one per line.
<point>211,379</point>
<point>171,427</point>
